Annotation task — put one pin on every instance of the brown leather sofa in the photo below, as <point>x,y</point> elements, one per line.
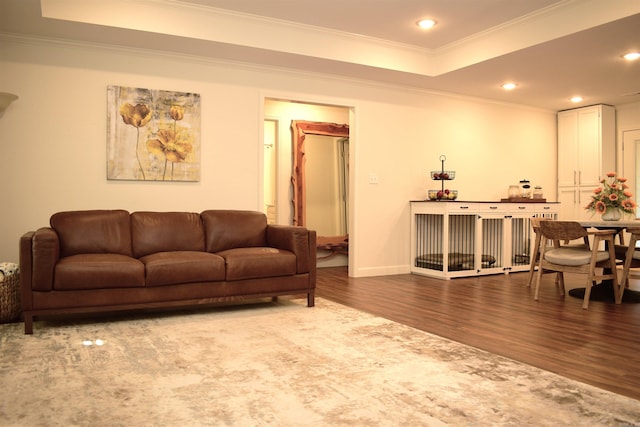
<point>112,260</point>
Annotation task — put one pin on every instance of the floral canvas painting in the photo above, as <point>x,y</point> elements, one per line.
<point>152,135</point>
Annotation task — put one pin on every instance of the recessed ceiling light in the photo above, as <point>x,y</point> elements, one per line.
<point>426,24</point>
<point>576,99</point>
<point>509,86</point>
<point>632,56</point>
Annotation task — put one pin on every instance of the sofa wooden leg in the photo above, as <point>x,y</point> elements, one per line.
<point>28,323</point>
<point>311,299</point>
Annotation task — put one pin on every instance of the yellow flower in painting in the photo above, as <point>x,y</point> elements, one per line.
<point>168,144</point>
<point>176,112</point>
<point>137,116</point>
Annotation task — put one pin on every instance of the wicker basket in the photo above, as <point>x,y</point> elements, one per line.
<point>10,308</point>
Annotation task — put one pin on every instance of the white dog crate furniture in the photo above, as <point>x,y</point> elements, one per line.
<point>459,239</point>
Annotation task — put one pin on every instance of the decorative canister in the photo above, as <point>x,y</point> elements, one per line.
<point>525,189</point>
<point>537,192</point>
<point>514,192</point>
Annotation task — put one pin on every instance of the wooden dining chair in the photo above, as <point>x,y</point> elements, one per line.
<point>567,258</point>
<point>631,260</point>
<point>535,257</point>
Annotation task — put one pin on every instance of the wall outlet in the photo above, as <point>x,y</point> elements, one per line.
<point>373,178</point>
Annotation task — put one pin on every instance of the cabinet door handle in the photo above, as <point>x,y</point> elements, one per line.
<point>574,178</point>
<point>464,207</point>
<point>579,177</point>
<point>493,207</point>
<point>522,207</point>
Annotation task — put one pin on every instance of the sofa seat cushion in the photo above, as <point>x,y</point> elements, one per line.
<point>170,268</point>
<point>251,263</point>
<point>98,271</point>
<point>573,257</point>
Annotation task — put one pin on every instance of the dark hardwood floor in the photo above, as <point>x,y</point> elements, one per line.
<point>497,313</point>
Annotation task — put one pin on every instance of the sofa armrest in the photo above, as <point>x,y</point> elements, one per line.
<point>39,253</point>
<point>299,240</point>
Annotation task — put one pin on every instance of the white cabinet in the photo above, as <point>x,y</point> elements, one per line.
<point>586,152</point>
<point>459,239</point>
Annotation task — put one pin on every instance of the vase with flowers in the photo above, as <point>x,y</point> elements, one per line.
<point>612,198</point>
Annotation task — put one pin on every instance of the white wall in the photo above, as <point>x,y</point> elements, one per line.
<point>628,117</point>
<point>53,142</point>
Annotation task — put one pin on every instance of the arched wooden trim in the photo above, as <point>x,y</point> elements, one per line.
<point>299,130</point>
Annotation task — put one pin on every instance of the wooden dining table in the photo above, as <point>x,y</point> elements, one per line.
<point>606,287</point>
<point>610,225</point>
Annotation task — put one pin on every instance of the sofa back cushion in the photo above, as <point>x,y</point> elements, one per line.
<point>93,232</point>
<point>229,229</point>
<point>155,232</point>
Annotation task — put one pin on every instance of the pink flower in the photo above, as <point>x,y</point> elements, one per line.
<point>597,190</point>
<point>600,207</point>
<point>611,174</point>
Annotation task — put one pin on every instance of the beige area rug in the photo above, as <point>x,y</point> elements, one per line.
<point>277,364</point>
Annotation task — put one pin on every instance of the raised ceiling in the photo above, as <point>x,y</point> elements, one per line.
<point>553,49</point>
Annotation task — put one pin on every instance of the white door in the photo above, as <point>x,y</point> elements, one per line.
<point>567,148</point>
<point>631,162</point>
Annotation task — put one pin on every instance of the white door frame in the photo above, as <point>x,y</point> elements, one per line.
<point>630,163</point>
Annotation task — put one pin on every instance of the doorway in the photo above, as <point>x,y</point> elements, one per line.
<point>631,162</point>
<point>270,168</point>
<point>283,113</point>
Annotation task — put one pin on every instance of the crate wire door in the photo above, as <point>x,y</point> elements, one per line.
<point>462,238</point>
<point>429,241</point>
<point>456,252</point>
<point>491,244</point>
<point>521,241</point>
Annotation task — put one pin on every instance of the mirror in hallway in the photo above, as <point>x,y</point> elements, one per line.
<point>320,181</point>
